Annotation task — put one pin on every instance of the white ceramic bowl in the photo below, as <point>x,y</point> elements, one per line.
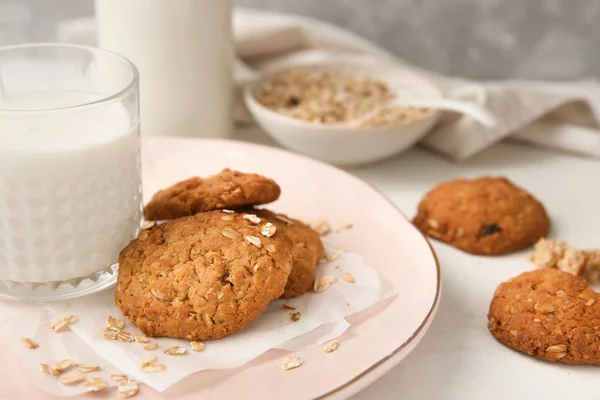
<point>346,144</point>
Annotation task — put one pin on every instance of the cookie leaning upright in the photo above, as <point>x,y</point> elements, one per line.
<point>201,277</point>
<point>306,251</point>
<point>549,314</point>
<point>227,189</point>
<point>488,216</point>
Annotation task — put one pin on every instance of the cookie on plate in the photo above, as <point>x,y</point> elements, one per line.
<point>549,314</point>
<point>306,251</point>
<point>201,277</point>
<point>227,189</point>
<point>487,216</point>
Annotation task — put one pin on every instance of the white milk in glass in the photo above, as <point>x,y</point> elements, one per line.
<point>184,52</point>
<point>70,186</point>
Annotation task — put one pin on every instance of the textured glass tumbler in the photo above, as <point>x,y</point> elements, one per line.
<point>70,173</point>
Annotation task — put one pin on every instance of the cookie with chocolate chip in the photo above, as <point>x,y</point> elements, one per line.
<point>549,314</point>
<point>201,277</point>
<point>487,216</point>
<point>227,189</point>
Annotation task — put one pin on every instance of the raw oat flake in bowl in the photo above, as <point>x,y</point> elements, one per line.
<point>342,113</point>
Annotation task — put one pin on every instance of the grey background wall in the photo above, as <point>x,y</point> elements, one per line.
<point>543,39</point>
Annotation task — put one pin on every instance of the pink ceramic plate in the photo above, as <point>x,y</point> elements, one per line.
<point>379,338</point>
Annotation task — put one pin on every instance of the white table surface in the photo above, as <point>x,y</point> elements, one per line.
<point>458,358</point>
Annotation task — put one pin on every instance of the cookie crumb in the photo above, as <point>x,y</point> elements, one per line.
<point>295,316</point>
<point>288,307</point>
<point>322,227</point>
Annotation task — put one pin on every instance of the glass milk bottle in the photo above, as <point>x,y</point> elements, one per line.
<point>184,52</point>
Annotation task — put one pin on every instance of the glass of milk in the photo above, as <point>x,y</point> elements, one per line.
<point>70,174</point>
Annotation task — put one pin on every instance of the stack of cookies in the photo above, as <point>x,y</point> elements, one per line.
<point>215,264</point>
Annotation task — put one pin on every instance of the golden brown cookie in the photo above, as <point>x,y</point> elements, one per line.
<point>488,216</point>
<point>549,314</point>
<point>201,277</point>
<point>228,189</point>
<point>306,252</point>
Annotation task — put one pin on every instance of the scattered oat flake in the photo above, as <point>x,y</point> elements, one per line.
<point>253,240</point>
<point>332,346</point>
<point>126,337</point>
<point>328,279</point>
<point>291,363</point>
<point>151,346</point>
<point>321,287</point>
<point>228,211</point>
<point>140,338</point>
<point>118,377</point>
<point>87,368</point>
<point>59,323</point>
<point>345,225</point>
<point>62,365</point>
<point>29,343</point>
<point>268,229</point>
<point>197,345</point>
<point>285,219</point>
<point>72,379</point>
<point>175,351</point>
<point>252,218</point>
<point>45,368</point>
<point>322,227</point>
<point>153,367</point>
<point>295,316</point>
<point>148,225</point>
<point>95,384</point>
<point>332,257</point>
<point>148,360</point>
<point>110,333</point>
<point>113,322</point>
<point>288,307</point>
<point>127,389</point>
<point>348,277</point>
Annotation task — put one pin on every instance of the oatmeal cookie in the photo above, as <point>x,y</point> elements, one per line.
<point>201,277</point>
<point>228,189</point>
<point>549,314</point>
<point>306,252</point>
<point>487,216</point>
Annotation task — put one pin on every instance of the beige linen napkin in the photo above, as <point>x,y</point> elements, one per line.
<point>560,115</point>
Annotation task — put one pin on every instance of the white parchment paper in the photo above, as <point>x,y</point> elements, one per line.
<point>322,319</point>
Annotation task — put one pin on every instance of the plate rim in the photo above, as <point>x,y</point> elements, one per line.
<point>371,370</point>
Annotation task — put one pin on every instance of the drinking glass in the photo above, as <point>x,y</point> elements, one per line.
<point>70,174</point>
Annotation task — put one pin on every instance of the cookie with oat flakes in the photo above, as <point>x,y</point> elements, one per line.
<point>201,277</point>
<point>307,249</point>
<point>227,189</point>
<point>549,314</point>
<point>487,216</point>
